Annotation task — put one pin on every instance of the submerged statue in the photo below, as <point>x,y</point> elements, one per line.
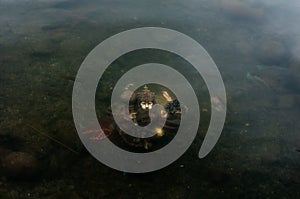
<point>139,106</point>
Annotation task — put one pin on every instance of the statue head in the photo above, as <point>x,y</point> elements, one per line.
<point>146,98</point>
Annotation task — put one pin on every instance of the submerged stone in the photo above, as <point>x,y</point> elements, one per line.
<point>281,80</point>
<point>242,11</point>
<point>272,52</point>
<point>20,165</point>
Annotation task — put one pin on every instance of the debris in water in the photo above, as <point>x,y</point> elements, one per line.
<point>53,139</point>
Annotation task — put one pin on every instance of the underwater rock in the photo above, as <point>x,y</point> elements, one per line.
<point>286,101</point>
<point>4,151</point>
<point>271,154</point>
<point>297,100</point>
<point>64,194</point>
<point>20,165</point>
<point>291,178</point>
<point>66,4</point>
<point>217,175</point>
<point>279,79</point>
<point>295,65</point>
<point>241,10</point>
<point>272,52</point>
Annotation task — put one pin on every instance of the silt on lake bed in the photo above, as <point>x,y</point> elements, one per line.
<point>255,45</point>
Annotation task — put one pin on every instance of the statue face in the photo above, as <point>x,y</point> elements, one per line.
<point>146,105</point>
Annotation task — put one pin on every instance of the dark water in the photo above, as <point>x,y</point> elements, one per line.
<point>255,44</point>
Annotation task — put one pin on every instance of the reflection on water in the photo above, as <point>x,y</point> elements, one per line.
<point>256,45</point>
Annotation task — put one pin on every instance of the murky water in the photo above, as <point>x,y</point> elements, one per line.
<point>255,44</point>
